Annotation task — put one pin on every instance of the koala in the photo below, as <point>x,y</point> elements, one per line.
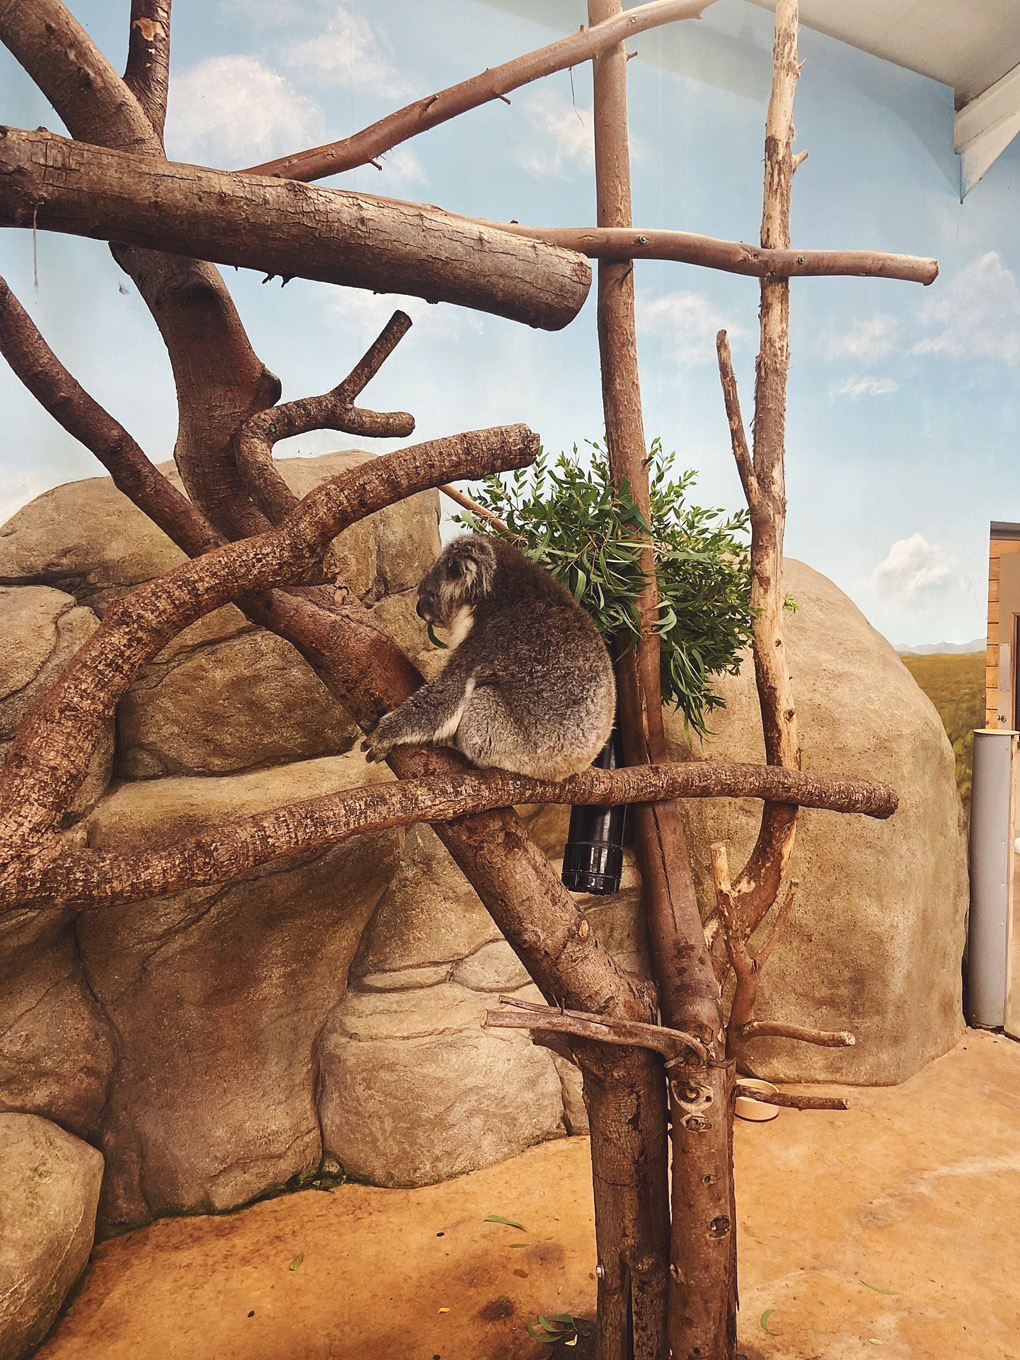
<point>528,685</point>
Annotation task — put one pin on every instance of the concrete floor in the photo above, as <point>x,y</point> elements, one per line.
<point>891,1230</point>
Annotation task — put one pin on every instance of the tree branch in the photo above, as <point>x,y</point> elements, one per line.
<point>363,147</point>
<point>733,257</point>
<point>775,1029</point>
<point>285,228</point>
<point>52,385</point>
<point>671,1043</point>
<point>81,878</point>
<point>473,508</point>
<point>335,410</point>
<point>791,1100</point>
<point>50,754</point>
<point>738,439</point>
<point>148,66</point>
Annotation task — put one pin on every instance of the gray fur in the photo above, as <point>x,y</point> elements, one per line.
<point>530,686</point>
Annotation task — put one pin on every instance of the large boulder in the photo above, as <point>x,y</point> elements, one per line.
<point>50,1183</point>
<point>223,695</point>
<point>57,1047</point>
<point>219,994</point>
<point>40,631</point>
<point>875,941</point>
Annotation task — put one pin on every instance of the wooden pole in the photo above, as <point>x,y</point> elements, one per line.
<point>701,1288</point>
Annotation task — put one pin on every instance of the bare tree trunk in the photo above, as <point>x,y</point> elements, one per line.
<point>701,1291</point>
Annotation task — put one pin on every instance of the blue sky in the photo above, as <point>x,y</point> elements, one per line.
<point>903,414</point>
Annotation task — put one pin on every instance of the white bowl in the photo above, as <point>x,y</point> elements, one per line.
<point>755,1110</point>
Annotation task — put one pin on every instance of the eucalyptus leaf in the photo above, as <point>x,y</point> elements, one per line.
<point>568,517</point>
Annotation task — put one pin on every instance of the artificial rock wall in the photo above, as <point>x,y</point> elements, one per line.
<point>218,1043</point>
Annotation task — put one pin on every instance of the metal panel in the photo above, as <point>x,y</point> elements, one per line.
<point>989,934</point>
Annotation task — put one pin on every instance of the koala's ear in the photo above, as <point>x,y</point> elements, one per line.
<point>481,565</point>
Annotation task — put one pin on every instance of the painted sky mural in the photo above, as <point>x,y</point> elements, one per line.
<point>904,418</point>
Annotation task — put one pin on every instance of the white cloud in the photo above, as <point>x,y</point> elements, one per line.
<point>346,52</point>
<point>914,569</point>
<point>402,164</point>
<point>17,489</point>
<point>865,387</point>
<point>975,315</point>
<point>369,312</point>
<point>230,110</point>
<point>566,136</point>
<point>687,321</point>
<point>869,341</point>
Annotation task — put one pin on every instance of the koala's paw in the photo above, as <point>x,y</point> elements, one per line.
<point>381,742</point>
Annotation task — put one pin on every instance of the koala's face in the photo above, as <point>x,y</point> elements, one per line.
<point>461,576</point>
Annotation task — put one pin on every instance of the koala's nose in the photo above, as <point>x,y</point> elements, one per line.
<point>422,610</point>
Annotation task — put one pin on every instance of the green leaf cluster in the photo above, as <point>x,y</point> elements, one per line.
<point>571,520</point>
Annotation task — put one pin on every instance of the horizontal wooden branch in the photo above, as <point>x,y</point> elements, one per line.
<point>284,228</point>
<point>775,1029</point>
<point>673,1044</point>
<point>790,1100</point>
<point>51,751</point>
<point>734,257</point>
<point>81,878</point>
<point>364,146</point>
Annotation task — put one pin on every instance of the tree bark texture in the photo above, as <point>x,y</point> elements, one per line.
<point>281,227</point>
<point>147,74</point>
<point>83,878</point>
<point>702,1251</point>
<point>733,257</point>
<point>758,883</point>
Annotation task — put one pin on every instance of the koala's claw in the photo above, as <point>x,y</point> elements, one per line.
<point>376,747</point>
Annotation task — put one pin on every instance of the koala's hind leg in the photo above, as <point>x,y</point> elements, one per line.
<point>429,718</point>
<point>488,735</point>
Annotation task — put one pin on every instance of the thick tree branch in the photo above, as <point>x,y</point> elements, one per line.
<point>363,147</point>
<point>284,228</point>
<point>50,755</point>
<point>148,66</point>
<point>65,877</point>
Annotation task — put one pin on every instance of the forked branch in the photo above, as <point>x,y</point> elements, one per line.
<point>334,410</point>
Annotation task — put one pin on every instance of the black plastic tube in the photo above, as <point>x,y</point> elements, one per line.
<point>593,855</point>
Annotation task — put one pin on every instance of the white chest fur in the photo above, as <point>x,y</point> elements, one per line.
<point>460,625</point>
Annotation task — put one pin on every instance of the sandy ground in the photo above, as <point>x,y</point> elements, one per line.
<point>891,1230</point>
